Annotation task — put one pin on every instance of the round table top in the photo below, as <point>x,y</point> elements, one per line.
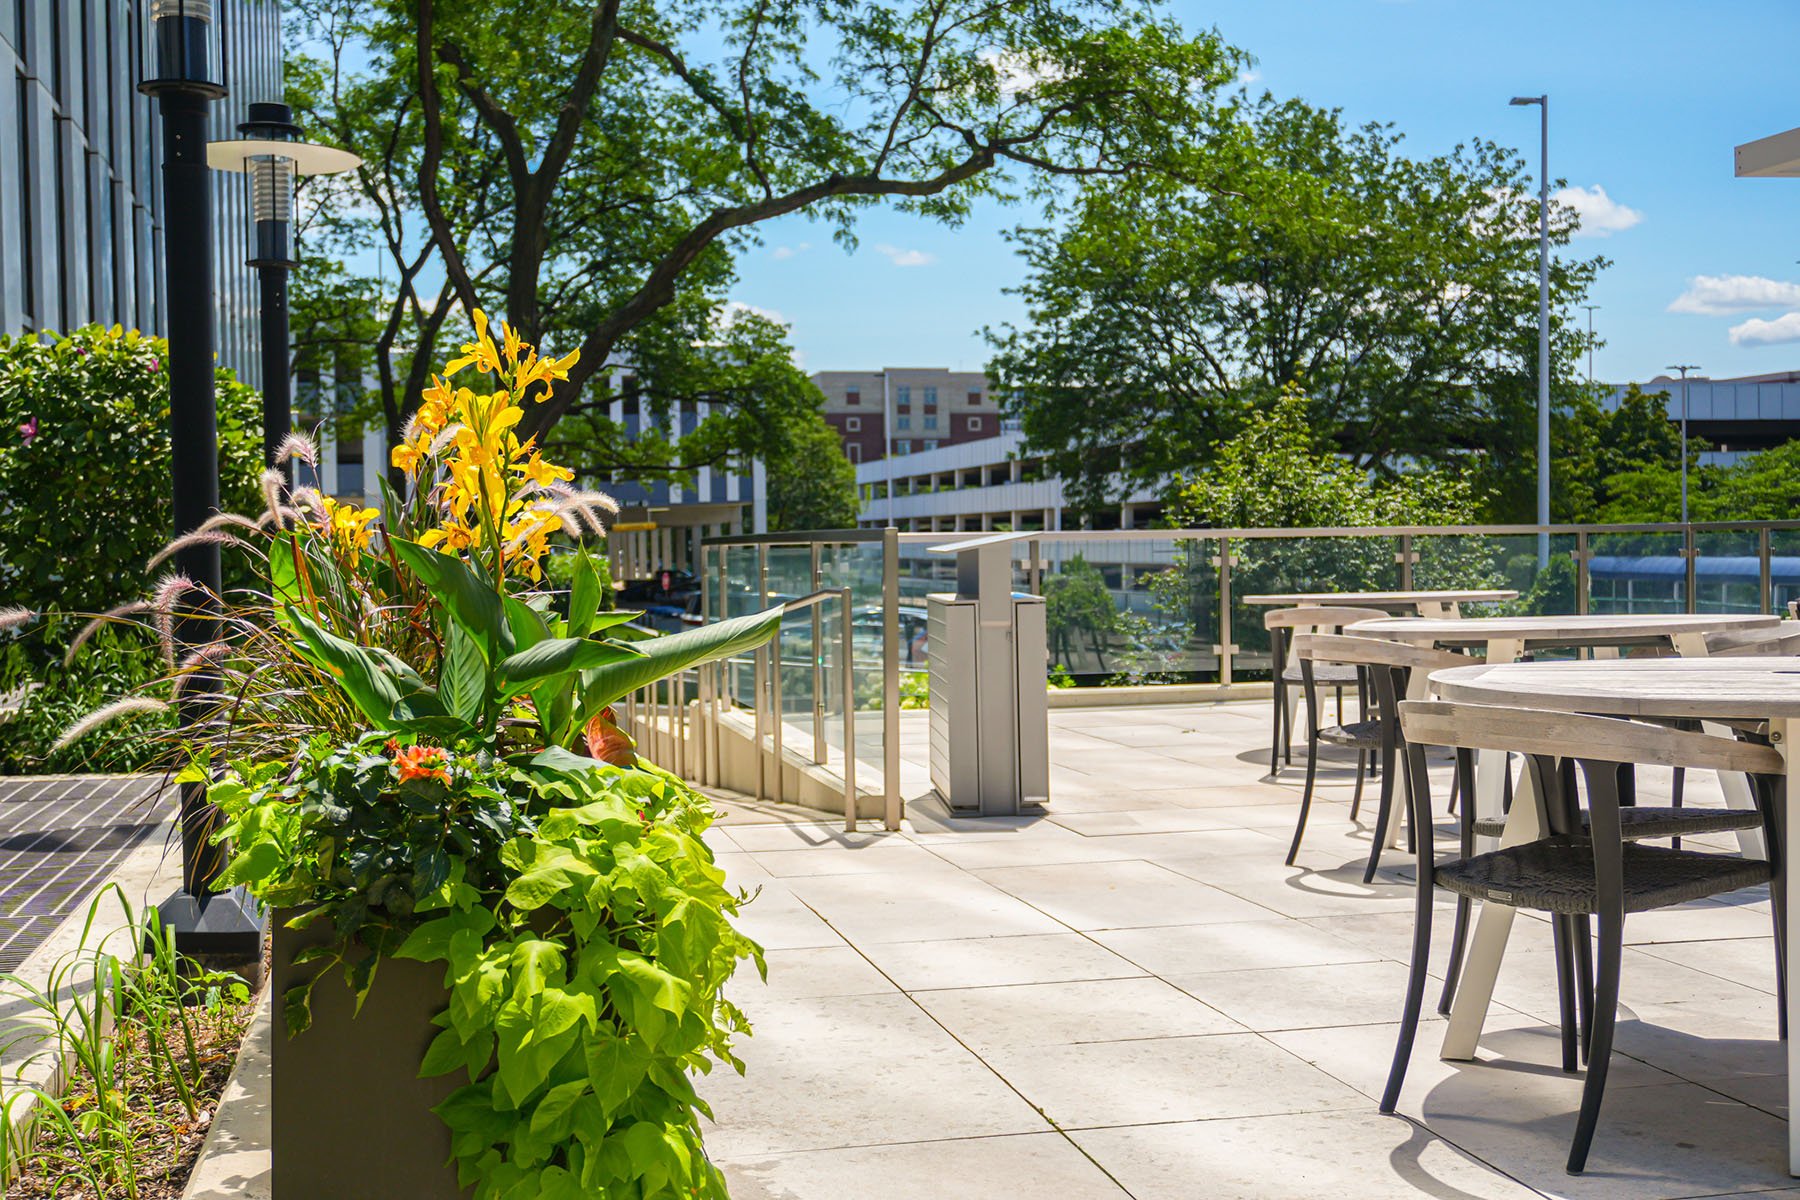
<point>1382,599</point>
<point>1754,689</point>
<point>1571,630</point>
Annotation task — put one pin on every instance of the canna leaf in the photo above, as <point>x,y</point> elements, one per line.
<point>558,656</point>
<point>663,656</point>
<point>471,600</point>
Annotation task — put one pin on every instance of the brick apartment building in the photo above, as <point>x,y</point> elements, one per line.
<point>931,408</point>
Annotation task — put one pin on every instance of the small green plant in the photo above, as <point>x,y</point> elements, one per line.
<point>1060,678</point>
<point>915,690</point>
<point>141,1030</point>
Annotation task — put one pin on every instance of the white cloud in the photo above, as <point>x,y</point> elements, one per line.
<point>1758,332</point>
<point>736,308</point>
<point>1601,215</point>
<point>783,252</point>
<point>1247,77</point>
<point>1719,295</point>
<point>1020,72</point>
<point>901,257</point>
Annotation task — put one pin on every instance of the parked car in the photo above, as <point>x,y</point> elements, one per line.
<point>866,626</point>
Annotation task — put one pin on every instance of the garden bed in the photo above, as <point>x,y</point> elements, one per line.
<point>162,1140</point>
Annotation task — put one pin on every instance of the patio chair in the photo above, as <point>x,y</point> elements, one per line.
<point>1376,736</point>
<point>1587,865</point>
<point>1284,672</point>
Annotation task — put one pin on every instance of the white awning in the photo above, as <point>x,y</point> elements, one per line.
<point>1770,157</point>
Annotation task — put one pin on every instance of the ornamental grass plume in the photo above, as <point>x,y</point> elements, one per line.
<point>298,445</point>
<point>112,615</point>
<point>163,598</point>
<point>14,617</point>
<point>200,537</point>
<point>106,715</point>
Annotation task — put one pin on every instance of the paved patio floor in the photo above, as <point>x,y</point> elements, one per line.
<point>1132,996</point>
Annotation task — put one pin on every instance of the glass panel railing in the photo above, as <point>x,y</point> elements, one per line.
<point>1543,571</point>
<point>1728,571</point>
<point>1784,568</point>
<point>1632,572</point>
<point>1323,564</point>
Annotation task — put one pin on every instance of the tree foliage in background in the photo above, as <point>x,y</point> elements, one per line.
<point>1399,293</point>
<point>811,484</point>
<point>589,169</point>
<point>84,464</point>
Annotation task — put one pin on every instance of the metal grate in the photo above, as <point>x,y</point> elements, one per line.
<point>59,839</point>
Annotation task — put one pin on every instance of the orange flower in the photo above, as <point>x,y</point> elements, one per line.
<point>423,762</point>
<point>607,742</point>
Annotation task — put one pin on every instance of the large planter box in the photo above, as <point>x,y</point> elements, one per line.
<point>352,1120</point>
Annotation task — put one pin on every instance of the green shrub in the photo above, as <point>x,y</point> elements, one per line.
<point>41,697</point>
<point>84,464</point>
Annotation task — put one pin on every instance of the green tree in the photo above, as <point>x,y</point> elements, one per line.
<point>1400,293</point>
<point>811,484</point>
<point>587,169</point>
<point>1078,608</point>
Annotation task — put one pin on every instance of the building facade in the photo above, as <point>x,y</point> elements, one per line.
<point>987,483</point>
<point>81,212</point>
<point>1736,416</point>
<point>931,407</point>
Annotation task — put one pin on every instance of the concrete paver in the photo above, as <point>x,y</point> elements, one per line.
<point>1130,995</point>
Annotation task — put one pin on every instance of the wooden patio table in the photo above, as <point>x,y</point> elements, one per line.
<point>1438,603</point>
<point>1703,689</point>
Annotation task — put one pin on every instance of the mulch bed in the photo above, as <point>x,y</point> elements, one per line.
<point>165,1139</point>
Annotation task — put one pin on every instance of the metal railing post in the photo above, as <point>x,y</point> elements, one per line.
<point>1036,569</point>
<point>1406,562</point>
<point>1765,571</point>
<point>890,677</point>
<point>1581,572</point>
<point>849,682</point>
<point>1225,646</point>
<point>1689,552</point>
<point>818,667</point>
<point>761,682</point>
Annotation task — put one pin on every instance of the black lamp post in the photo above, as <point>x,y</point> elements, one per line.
<point>271,156</point>
<point>189,77</point>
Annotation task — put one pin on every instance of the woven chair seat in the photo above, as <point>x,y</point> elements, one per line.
<point>1639,823</point>
<point>1557,875</point>
<point>1356,733</point>
<point>1326,674</point>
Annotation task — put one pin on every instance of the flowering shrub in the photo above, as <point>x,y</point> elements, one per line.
<point>84,464</point>
<point>460,792</point>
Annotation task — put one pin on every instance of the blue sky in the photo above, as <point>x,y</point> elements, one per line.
<point>1648,98</point>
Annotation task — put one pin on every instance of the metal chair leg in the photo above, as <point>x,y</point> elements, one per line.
<point>1562,936</point>
<point>1275,738</point>
<point>1384,811</point>
<point>1421,955</point>
<point>1458,940</point>
<point>1362,763</point>
<point>1312,770</point>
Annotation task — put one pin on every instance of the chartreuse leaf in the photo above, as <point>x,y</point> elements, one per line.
<point>470,599</point>
<point>663,656</point>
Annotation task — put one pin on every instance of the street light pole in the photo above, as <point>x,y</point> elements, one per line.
<point>1684,368</point>
<point>271,156</point>
<point>1543,439</point>
<point>1590,312</point>
<point>204,921</point>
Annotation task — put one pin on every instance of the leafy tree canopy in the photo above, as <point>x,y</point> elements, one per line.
<point>1276,474</point>
<point>587,168</point>
<point>1399,293</point>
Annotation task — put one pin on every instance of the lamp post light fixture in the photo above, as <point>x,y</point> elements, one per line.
<point>1684,368</point>
<point>190,75</point>
<point>270,156</point>
<point>1543,439</point>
